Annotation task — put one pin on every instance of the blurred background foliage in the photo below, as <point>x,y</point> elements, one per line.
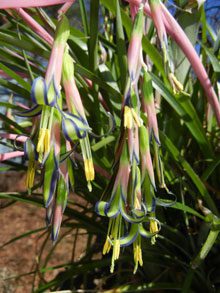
<point>190,148</point>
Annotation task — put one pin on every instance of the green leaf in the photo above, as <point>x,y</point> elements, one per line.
<point>186,209</point>
<point>174,153</point>
<point>190,25</point>
<point>184,108</point>
<point>213,59</point>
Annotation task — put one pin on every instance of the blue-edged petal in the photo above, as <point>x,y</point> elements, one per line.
<point>30,150</point>
<point>74,127</point>
<point>39,91</point>
<point>148,234</point>
<point>168,202</point>
<point>35,111</point>
<point>49,213</point>
<point>52,93</point>
<point>130,237</point>
<point>127,216</point>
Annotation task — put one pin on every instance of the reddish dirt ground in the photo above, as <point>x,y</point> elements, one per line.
<point>21,257</point>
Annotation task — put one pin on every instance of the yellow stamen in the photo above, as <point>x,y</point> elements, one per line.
<point>47,141</point>
<point>107,246</point>
<point>137,120</point>
<point>40,144</point>
<point>89,169</point>
<point>153,226</point>
<point>177,86</point>
<point>115,254</point>
<point>153,229</point>
<point>128,120</point>
<point>137,254</point>
<point>137,203</point>
<point>30,175</point>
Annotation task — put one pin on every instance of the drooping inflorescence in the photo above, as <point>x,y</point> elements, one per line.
<point>60,124</point>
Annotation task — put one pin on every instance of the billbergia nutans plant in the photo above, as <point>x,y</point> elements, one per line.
<point>116,124</point>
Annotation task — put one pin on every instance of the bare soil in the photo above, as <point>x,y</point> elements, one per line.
<point>19,259</point>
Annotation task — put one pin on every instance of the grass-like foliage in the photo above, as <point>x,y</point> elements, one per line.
<point>123,111</point>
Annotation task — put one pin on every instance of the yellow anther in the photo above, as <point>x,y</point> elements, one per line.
<point>137,203</point>
<point>30,175</point>
<point>153,226</point>
<point>40,144</point>
<point>137,120</point>
<point>89,169</point>
<point>137,254</point>
<point>107,246</point>
<point>177,86</point>
<point>47,141</point>
<point>128,119</point>
<point>153,229</point>
<point>131,118</point>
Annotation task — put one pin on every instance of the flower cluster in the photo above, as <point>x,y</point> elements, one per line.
<point>55,132</point>
<point>132,202</point>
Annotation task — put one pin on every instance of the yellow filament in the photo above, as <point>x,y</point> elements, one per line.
<point>115,254</point>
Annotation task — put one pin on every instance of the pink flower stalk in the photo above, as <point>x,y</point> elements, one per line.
<point>11,155</point>
<point>7,4</point>
<point>181,39</point>
<point>38,29</point>
<point>65,7</point>
<point>177,33</point>
<point>157,16</point>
